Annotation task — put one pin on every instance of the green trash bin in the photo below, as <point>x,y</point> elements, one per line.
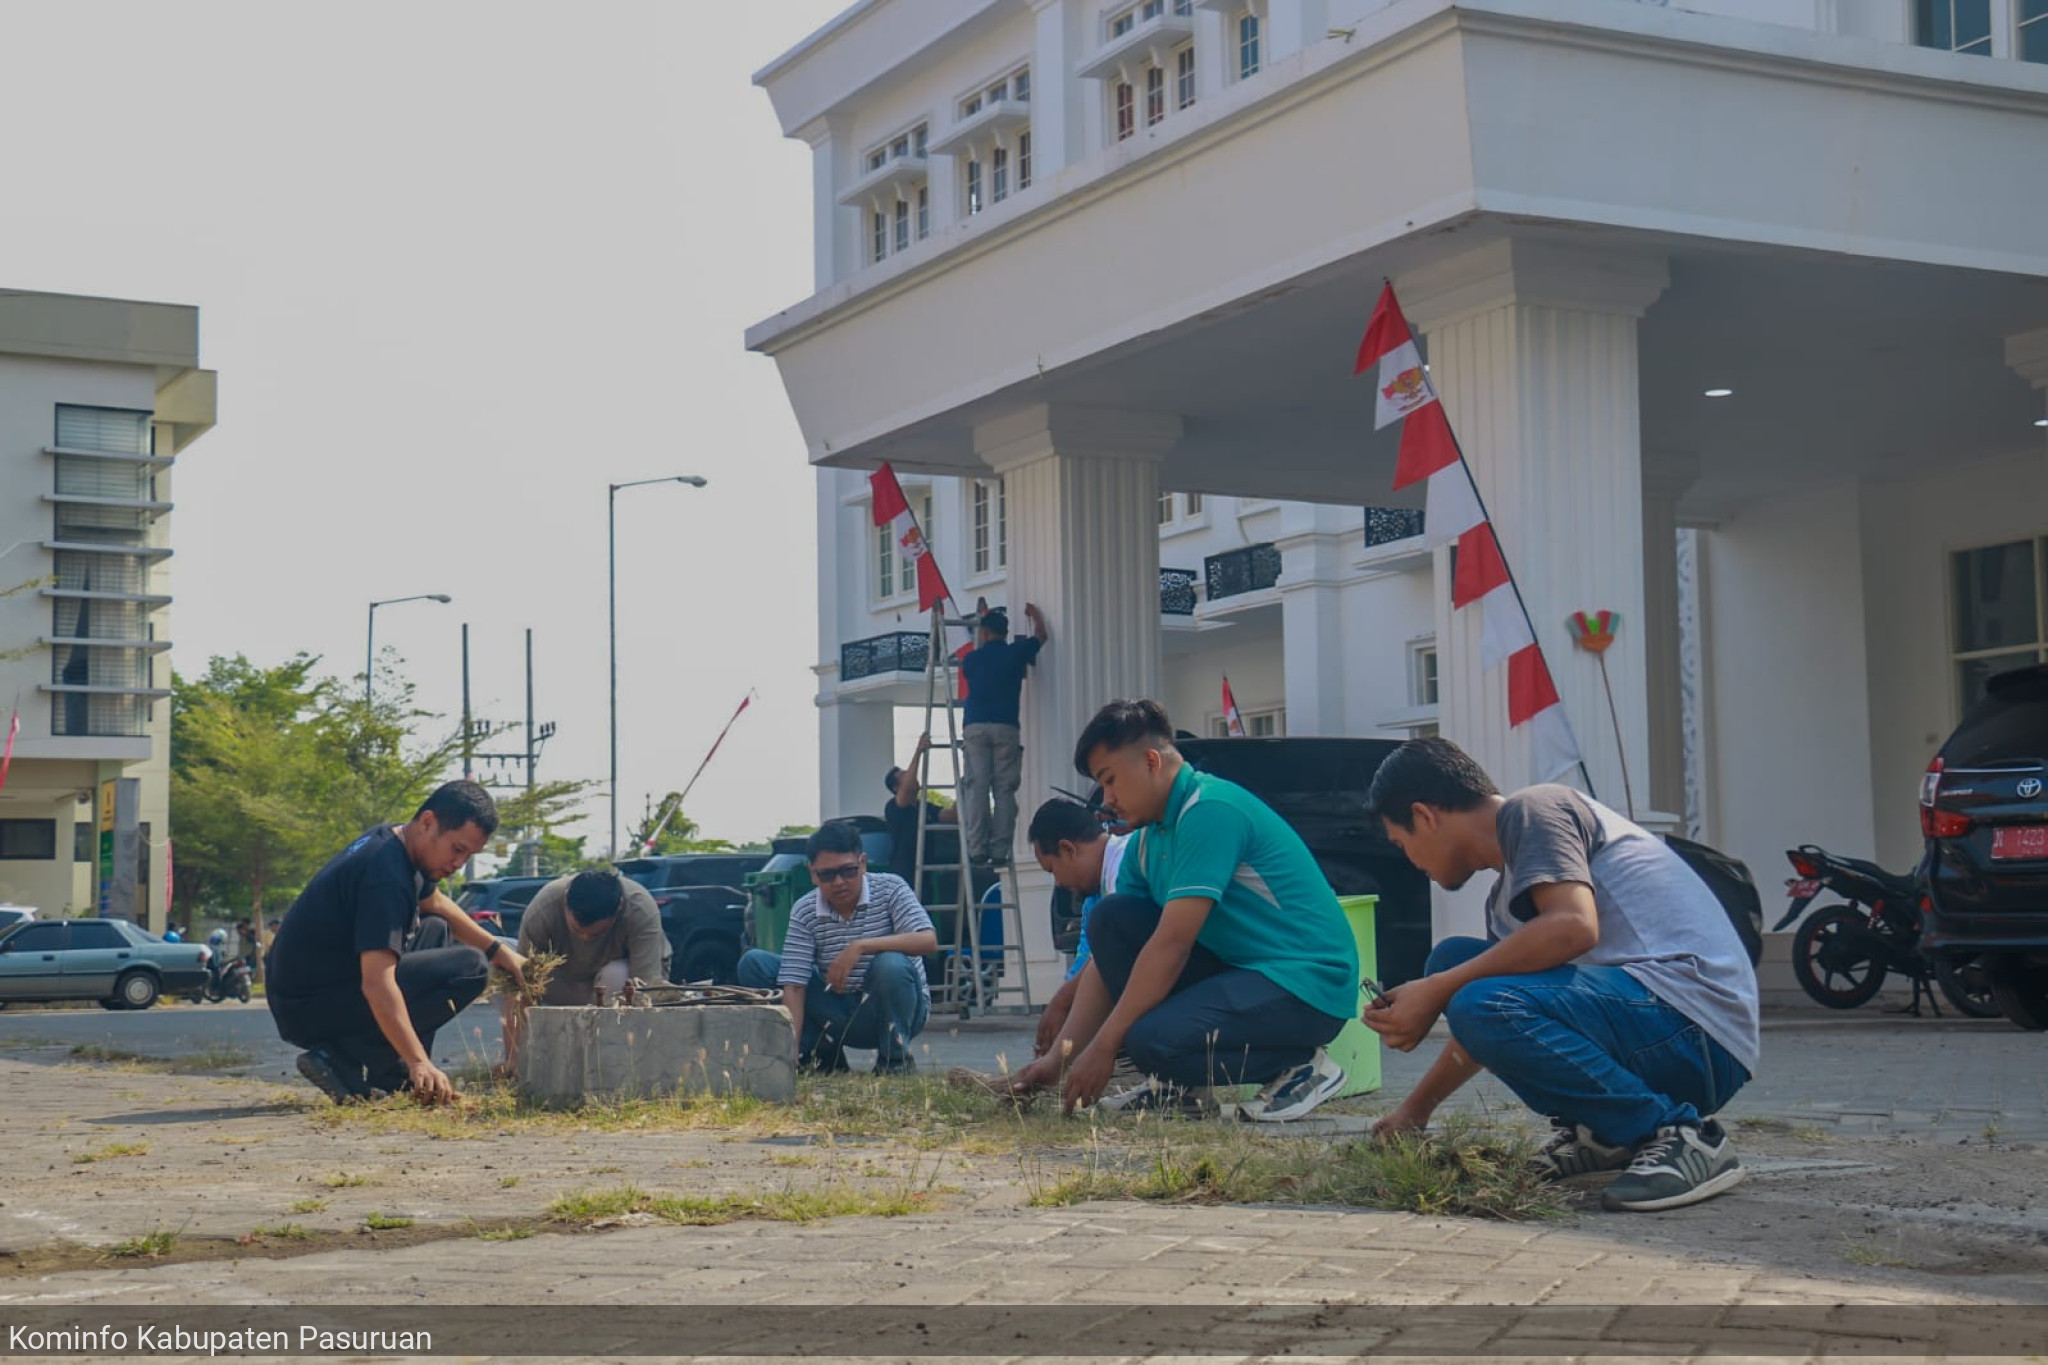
<point>771,893</point>
<point>1357,1048</point>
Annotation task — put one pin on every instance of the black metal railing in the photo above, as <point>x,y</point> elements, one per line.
<point>1177,592</point>
<point>1385,525</point>
<point>901,651</point>
<point>1240,571</point>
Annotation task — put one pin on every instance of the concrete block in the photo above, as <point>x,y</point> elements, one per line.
<point>574,1053</point>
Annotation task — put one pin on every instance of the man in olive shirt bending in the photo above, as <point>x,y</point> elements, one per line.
<point>606,928</point>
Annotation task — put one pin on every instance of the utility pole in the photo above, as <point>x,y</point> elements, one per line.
<point>526,761</point>
<point>532,849</point>
<point>468,741</point>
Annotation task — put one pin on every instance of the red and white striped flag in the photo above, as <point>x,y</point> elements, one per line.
<point>1454,513</point>
<point>7,758</point>
<point>893,509</point>
<point>1233,720</point>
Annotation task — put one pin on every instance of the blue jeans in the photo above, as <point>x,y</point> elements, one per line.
<point>889,1009</point>
<point>1219,1025</point>
<point>1589,1045</point>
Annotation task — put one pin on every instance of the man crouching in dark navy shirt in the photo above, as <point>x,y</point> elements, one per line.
<point>354,979</point>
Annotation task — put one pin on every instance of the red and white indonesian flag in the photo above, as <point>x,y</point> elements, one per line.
<point>1233,720</point>
<point>1453,514</point>
<point>893,509</point>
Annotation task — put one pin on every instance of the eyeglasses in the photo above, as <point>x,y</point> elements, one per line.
<point>823,875</point>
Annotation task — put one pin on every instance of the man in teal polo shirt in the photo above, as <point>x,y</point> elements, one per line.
<point>1223,959</point>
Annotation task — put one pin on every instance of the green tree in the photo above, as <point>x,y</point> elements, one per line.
<point>532,816</point>
<point>275,770</point>
<point>679,835</point>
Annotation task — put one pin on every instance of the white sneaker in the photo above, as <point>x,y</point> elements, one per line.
<point>1677,1166</point>
<point>1574,1151</point>
<point>1296,1093</point>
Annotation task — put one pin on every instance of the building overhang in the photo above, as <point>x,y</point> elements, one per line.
<point>1738,151</point>
<point>162,336</point>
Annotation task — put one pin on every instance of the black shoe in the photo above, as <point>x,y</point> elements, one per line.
<point>823,1063</point>
<point>333,1077</point>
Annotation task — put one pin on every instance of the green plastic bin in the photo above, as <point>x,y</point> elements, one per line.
<point>771,894</point>
<point>1357,1048</point>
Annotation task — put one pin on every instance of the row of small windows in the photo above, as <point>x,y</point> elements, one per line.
<point>1160,86</point>
<point>1966,26</point>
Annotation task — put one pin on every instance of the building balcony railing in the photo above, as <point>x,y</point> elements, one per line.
<point>1385,525</point>
<point>994,124</point>
<point>897,178</point>
<point>1235,572</point>
<point>1149,40</point>
<point>901,651</point>
<point>1177,595</point>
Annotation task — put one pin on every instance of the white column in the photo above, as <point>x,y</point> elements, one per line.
<point>1084,545</point>
<point>856,749</point>
<point>833,235</point>
<point>1055,122</point>
<point>1313,555</point>
<point>1215,52</point>
<point>943,180</point>
<point>1533,347</point>
<point>1661,779</point>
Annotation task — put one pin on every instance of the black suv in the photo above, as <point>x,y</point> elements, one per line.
<point>1984,810</point>
<point>499,903</point>
<point>703,909</point>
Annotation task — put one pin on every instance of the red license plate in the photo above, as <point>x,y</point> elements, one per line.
<point>2019,842</point>
<point>1803,890</point>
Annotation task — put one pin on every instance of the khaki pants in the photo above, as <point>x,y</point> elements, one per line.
<point>992,770</point>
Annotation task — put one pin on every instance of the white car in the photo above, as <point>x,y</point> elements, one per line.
<point>11,915</point>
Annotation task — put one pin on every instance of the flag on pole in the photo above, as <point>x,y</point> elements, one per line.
<point>647,846</point>
<point>7,758</point>
<point>1455,514</point>
<point>893,509</point>
<point>1233,721</point>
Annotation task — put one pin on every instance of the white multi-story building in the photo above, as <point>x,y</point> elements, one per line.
<point>97,399</point>
<point>1740,310</point>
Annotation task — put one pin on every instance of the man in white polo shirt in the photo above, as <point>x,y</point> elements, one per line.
<point>852,965</point>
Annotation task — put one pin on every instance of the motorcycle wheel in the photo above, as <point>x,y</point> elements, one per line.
<point>1842,982</point>
<point>1967,986</point>
<point>242,993</point>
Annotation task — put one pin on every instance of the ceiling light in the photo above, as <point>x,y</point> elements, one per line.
<point>1720,393</point>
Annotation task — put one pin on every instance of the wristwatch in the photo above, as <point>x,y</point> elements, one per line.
<point>491,953</point>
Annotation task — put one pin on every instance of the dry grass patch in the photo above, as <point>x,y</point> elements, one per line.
<point>589,1208</point>
<point>111,1152</point>
<point>220,1058</point>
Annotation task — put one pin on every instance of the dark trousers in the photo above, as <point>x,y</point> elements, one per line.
<point>438,983</point>
<point>1220,1025</point>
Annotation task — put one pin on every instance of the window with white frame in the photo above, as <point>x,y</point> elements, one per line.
<point>1024,159</point>
<point>999,175</point>
<point>892,227</point>
<point>2000,622</point>
<point>1180,509</point>
<point>1155,95</point>
<point>1124,101</point>
<point>1015,85</point>
<point>1422,685</point>
<point>975,202</point>
<point>1184,77</point>
<point>991,513</point>
<point>1984,28</point>
<point>1247,45</point>
<point>896,572</point>
<point>1267,724</point>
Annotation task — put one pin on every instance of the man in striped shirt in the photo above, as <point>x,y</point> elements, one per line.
<point>852,965</point>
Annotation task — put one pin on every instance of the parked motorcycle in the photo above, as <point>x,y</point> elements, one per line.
<point>225,977</point>
<point>1843,953</point>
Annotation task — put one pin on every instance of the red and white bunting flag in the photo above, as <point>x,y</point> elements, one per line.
<point>7,758</point>
<point>1403,385</point>
<point>893,509</point>
<point>1453,513</point>
<point>1233,720</point>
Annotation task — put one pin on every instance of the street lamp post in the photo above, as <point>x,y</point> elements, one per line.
<point>612,594</point>
<point>370,649</point>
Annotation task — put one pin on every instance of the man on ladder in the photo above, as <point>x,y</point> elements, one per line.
<point>992,764</point>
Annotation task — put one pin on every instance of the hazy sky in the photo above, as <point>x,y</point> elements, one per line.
<point>460,265</point>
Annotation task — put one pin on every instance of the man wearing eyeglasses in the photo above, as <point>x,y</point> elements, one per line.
<point>852,964</point>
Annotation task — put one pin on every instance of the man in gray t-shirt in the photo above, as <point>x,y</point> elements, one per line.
<point>1614,996</point>
<point>607,931</point>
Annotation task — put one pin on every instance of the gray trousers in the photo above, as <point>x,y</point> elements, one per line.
<point>992,770</point>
